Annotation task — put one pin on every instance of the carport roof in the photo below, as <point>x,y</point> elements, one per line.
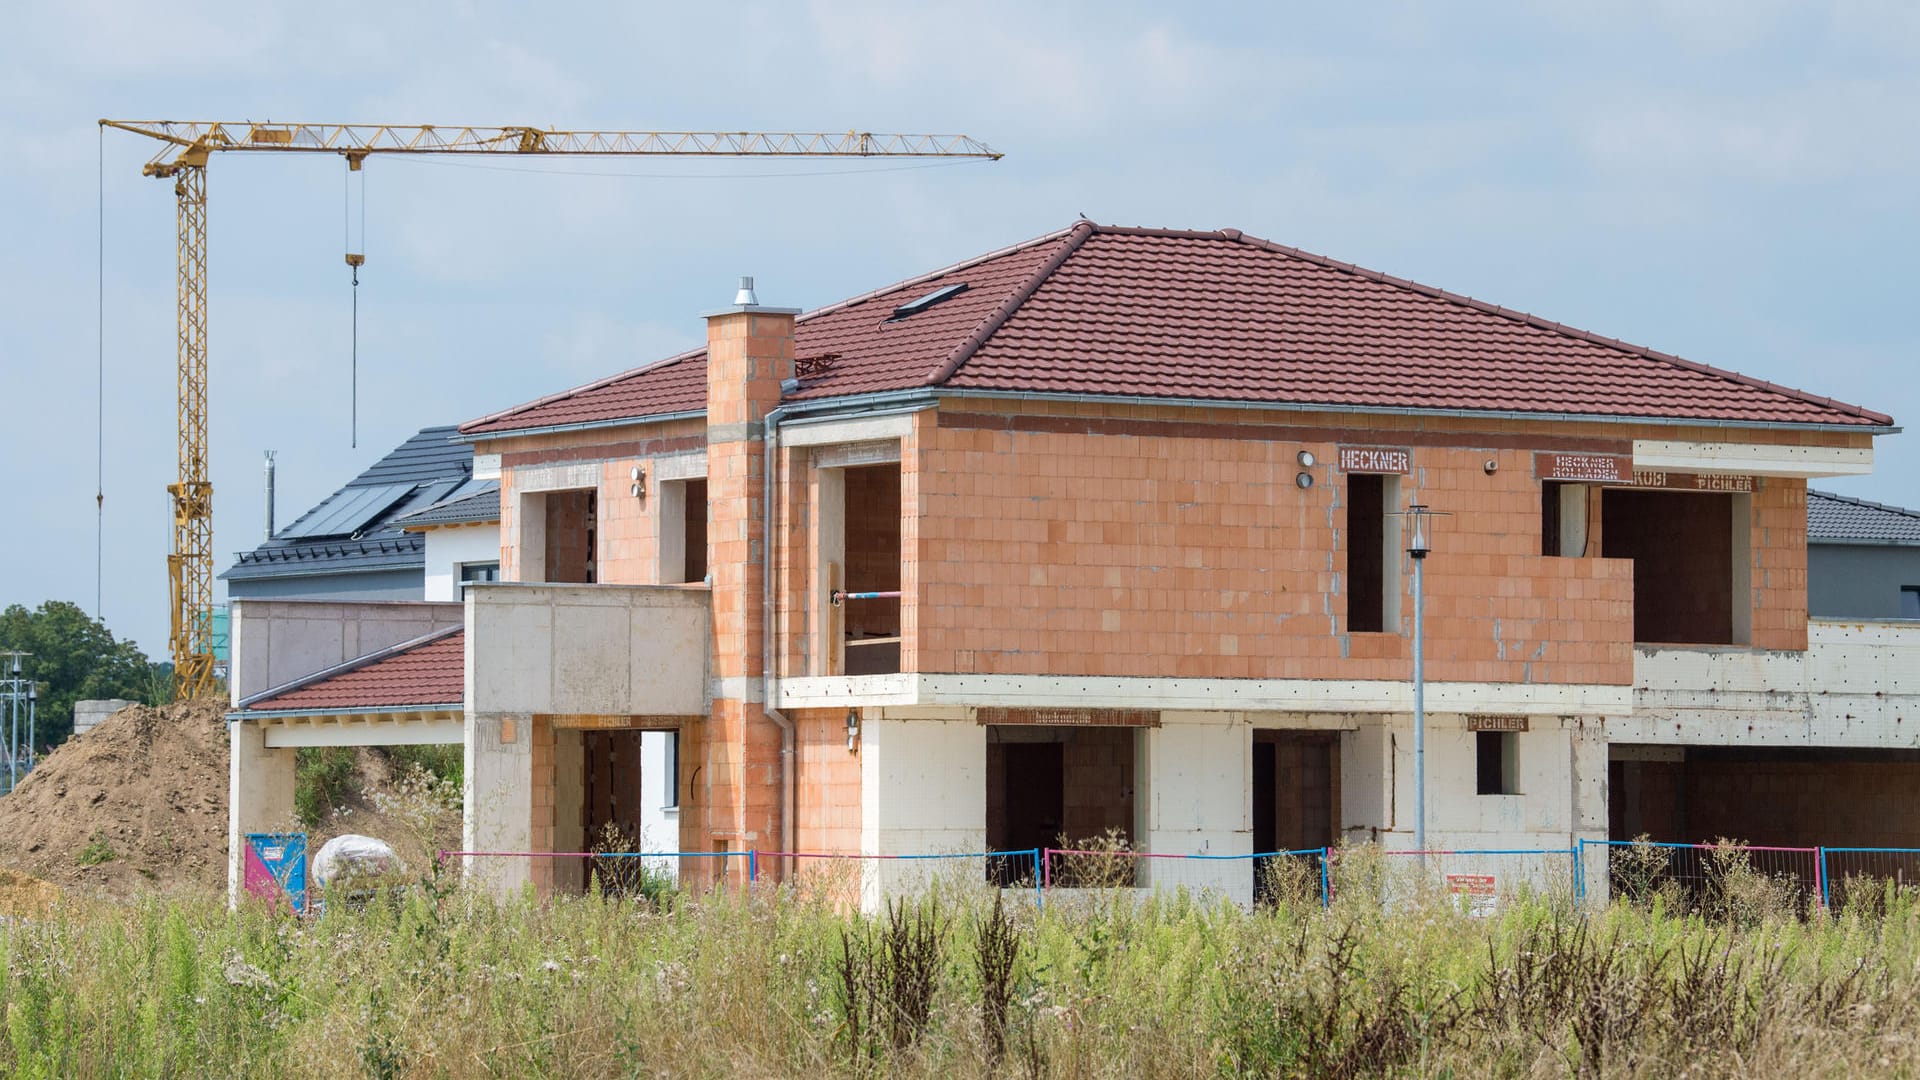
<point>429,670</point>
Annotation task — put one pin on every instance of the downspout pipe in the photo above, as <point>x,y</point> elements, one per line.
<point>769,664</point>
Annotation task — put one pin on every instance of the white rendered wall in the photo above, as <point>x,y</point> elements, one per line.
<point>1199,782</point>
<point>923,787</point>
<point>450,547</point>
<point>659,822</point>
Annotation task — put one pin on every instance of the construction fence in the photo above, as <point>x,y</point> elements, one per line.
<point>1481,881</point>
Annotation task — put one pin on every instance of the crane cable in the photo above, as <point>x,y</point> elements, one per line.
<point>355,259</point>
<point>100,390</point>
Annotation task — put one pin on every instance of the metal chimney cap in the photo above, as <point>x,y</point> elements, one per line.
<point>745,300</point>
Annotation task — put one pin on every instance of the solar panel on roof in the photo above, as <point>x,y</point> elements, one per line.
<point>347,511</point>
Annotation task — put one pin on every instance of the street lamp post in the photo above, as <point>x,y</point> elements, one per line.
<point>1417,548</point>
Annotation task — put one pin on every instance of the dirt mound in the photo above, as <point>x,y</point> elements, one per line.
<point>22,896</point>
<point>138,802</point>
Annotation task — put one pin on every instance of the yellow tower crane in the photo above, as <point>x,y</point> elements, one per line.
<point>184,161</point>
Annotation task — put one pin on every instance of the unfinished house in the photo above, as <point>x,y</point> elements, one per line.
<point>1100,535</point>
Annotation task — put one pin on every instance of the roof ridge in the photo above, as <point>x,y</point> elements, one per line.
<point>1868,503</point>
<point>1527,319</point>
<point>354,664</point>
<point>1075,235</point>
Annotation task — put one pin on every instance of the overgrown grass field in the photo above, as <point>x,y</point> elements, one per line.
<point>432,981</point>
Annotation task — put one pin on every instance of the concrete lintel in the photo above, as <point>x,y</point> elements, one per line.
<point>1758,459</point>
<point>854,430</point>
<point>1240,695</point>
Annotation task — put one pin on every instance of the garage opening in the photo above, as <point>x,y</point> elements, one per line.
<point>870,610</point>
<point>1057,787</point>
<point>1770,797</point>
<point>570,539</point>
<point>1296,798</point>
<point>1690,563</point>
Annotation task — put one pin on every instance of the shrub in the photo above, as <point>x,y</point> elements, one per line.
<point>323,780</point>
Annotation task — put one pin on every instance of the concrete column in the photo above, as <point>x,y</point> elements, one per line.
<point>259,796</point>
<point>498,800</point>
<point>923,789</point>
<point>1200,793</point>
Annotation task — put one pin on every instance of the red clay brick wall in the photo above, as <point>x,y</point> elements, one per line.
<point>1098,763</point>
<point>1779,542</point>
<point>829,781</point>
<point>1102,552</point>
<point>1787,803</point>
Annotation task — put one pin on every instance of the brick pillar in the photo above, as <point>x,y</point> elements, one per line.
<point>749,356</point>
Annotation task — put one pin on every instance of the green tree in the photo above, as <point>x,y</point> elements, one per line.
<point>75,658</point>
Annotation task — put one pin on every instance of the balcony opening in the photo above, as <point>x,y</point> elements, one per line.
<point>570,541</point>
<point>1296,798</point>
<point>683,531</point>
<point>869,588</point>
<point>1373,553</point>
<point>1690,555</point>
<point>1060,787</point>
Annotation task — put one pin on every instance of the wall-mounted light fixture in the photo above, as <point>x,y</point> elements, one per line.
<point>853,730</point>
<point>639,476</point>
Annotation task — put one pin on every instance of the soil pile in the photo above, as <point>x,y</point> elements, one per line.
<point>138,802</point>
<point>22,896</point>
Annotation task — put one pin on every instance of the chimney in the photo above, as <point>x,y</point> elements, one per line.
<point>749,356</point>
<point>269,494</point>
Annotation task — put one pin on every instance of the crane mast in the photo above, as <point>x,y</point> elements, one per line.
<point>184,159</point>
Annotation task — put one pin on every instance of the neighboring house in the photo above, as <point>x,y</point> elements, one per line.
<point>1105,532</point>
<point>1863,559</point>
<point>349,547</point>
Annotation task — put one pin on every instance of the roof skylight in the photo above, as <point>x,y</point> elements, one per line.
<point>915,307</point>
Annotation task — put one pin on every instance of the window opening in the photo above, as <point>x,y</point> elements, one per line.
<point>670,778</point>
<point>570,536</point>
<point>1373,555</point>
<point>479,571</point>
<point>1497,762</point>
<point>1910,601</point>
<point>1563,518</point>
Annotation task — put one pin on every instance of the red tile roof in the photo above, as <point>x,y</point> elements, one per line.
<point>427,671</point>
<point>1218,316</point>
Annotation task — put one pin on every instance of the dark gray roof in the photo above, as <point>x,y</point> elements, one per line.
<point>475,502</point>
<point>421,472</point>
<point>1837,519</point>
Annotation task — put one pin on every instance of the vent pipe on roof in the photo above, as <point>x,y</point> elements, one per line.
<point>745,297</point>
<point>269,494</point>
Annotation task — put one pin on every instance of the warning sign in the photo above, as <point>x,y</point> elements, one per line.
<point>1477,892</point>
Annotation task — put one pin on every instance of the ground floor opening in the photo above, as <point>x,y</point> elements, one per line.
<point>1296,799</point>
<point>1062,787</point>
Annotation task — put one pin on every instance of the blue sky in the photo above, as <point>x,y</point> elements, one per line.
<point>1732,182</point>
